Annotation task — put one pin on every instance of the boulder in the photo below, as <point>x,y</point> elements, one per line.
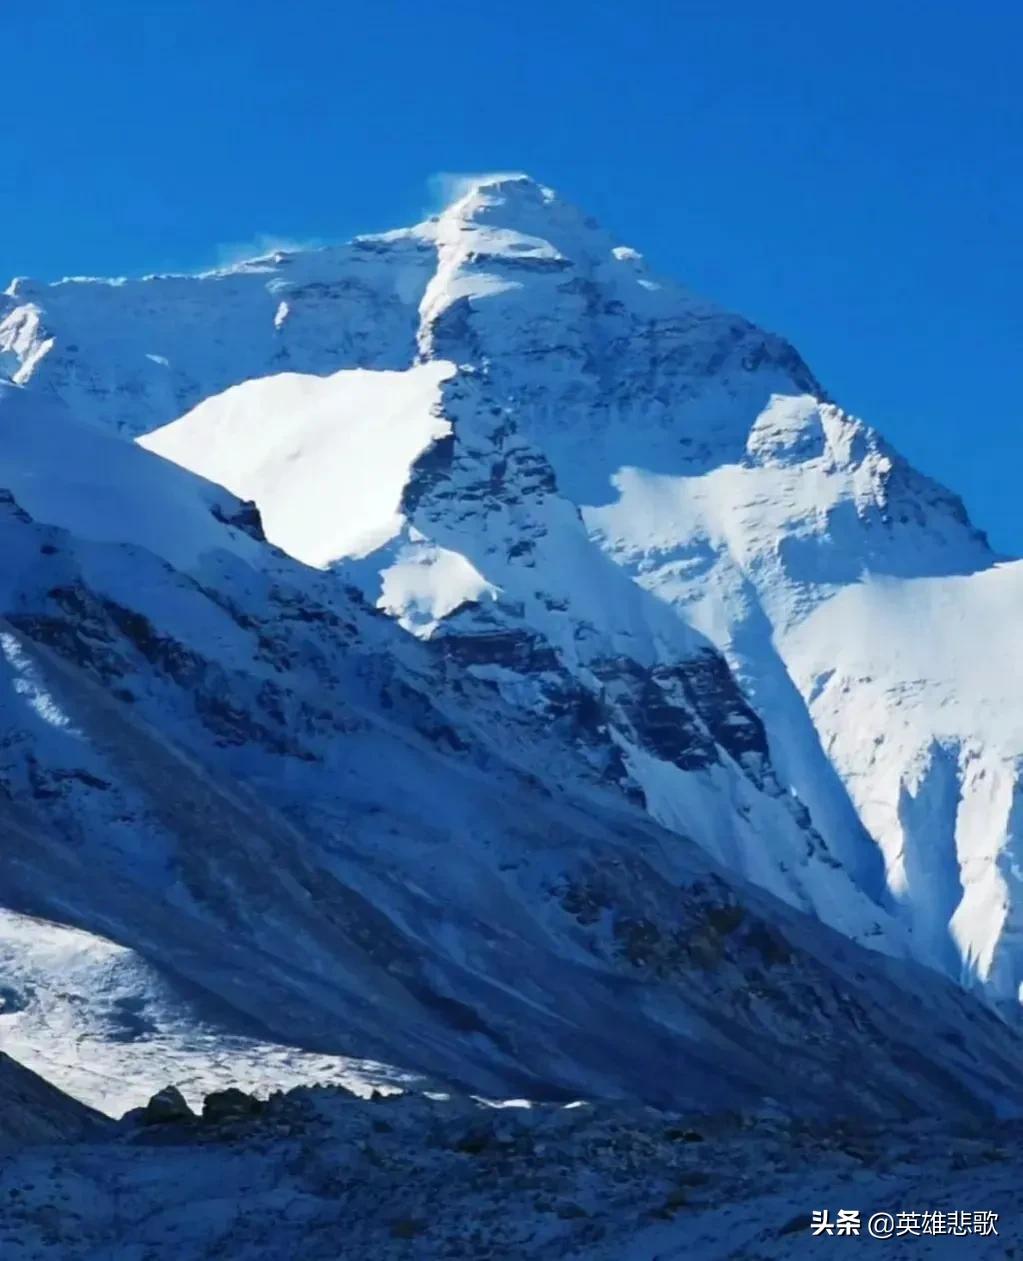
<point>230,1105</point>
<point>166,1107</point>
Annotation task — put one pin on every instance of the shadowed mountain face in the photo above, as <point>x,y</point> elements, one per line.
<point>32,1111</point>
<point>511,718</point>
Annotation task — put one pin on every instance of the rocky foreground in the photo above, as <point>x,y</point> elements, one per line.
<point>320,1173</point>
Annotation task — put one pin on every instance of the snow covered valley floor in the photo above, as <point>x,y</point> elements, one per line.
<point>320,1174</point>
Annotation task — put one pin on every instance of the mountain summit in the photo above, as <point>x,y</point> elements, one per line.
<point>539,609</point>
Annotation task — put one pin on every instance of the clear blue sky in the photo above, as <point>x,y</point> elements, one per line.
<point>850,175</point>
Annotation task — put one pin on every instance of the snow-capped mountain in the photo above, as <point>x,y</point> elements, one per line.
<point>256,832</point>
<point>545,607</point>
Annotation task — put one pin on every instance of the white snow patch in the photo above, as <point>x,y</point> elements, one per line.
<point>426,583</point>
<point>325,458</point>
<point>100,1022</point>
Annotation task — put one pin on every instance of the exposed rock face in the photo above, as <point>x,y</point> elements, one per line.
<point>226,1106</point>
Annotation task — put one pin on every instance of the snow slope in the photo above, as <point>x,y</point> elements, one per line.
<point>327,459</point>
<point>848,590</point>
<point>920,702</point>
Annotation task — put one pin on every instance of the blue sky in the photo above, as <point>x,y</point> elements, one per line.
<point>848,175</point>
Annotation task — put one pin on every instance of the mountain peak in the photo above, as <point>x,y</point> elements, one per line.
<point>515,203</point>
<point>502,184</point>
<point>666,599</point>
